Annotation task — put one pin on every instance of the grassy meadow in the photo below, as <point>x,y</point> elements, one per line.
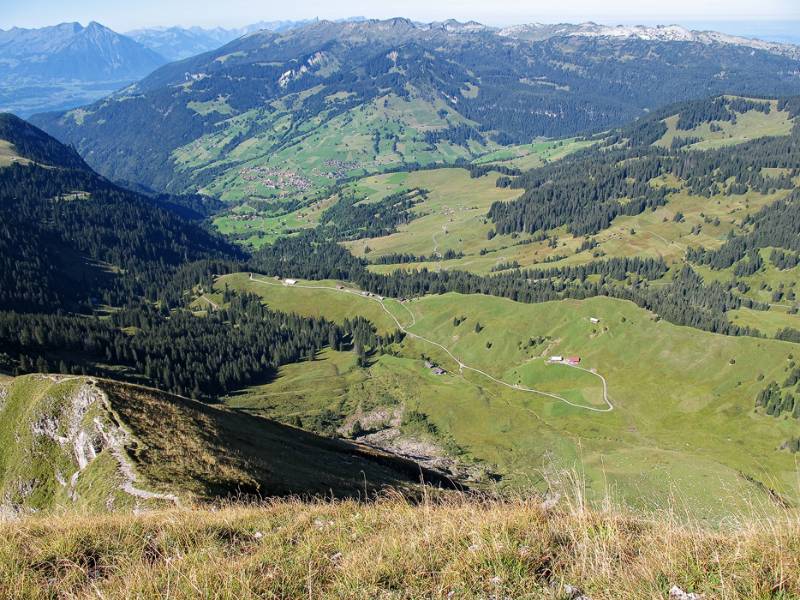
<point>684,419</point>
<point>747,126</point>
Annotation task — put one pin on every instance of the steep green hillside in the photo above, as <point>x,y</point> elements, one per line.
<point>287,159</point>
<point>684,418</point>
<point>78,443</point>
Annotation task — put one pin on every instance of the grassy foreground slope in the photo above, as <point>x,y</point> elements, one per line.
<point>683,418</point>
<point>75,442</point>
<point>390,549</point>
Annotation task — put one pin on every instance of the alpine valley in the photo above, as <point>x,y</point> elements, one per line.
<point>516,306</point>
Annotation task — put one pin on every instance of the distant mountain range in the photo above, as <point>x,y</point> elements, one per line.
<point>662,33</point>
<point>67,64</point>
<point>177,43</point>
<point>71,51</point>
<point>337,99</point>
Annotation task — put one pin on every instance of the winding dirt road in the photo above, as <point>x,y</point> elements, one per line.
<point>461,365</point>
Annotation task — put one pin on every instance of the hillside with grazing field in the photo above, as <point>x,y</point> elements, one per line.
<point>530,156</point>
<point>77,443</point>
<point>388,132</point>
<point>274,122</point>
<point>453,216</point>
<point>683,417</point>
<point>748,124</point>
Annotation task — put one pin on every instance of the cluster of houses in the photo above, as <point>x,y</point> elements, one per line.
<point>275,179</point>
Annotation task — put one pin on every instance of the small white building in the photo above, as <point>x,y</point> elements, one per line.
<point>594,319</point>
<point>289,281</point>
<point>556,358</point>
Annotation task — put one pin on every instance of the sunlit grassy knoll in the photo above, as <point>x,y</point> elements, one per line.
<point>9,156</point>
<point>747,126</point>
<point>684,399</point>
<point>462,547</point>
<point>452,218</point>
<point>303,389</point>
<point>530,156</point>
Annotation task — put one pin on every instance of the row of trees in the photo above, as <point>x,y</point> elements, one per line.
<point>242,343</point>
<point>686,300</point>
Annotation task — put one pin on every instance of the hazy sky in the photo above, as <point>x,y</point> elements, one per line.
<point>123,15</point>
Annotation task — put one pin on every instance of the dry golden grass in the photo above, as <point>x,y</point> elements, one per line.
<point>462,547</point>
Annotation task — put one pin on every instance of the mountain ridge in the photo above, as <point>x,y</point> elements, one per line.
<point>257,99</point>
<point>66,65</point>
<point>177,43</point>
<point>665,33</point>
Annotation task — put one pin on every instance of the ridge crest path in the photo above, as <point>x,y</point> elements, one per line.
<point>461,365</point>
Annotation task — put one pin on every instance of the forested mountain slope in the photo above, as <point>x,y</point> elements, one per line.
<point>276,113</point>
<point>71,239</point>
<point>587,190</point>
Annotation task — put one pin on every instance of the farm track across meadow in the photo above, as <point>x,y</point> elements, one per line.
<point>461,365</point>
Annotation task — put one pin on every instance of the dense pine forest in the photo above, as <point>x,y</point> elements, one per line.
<point>586,191</point>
